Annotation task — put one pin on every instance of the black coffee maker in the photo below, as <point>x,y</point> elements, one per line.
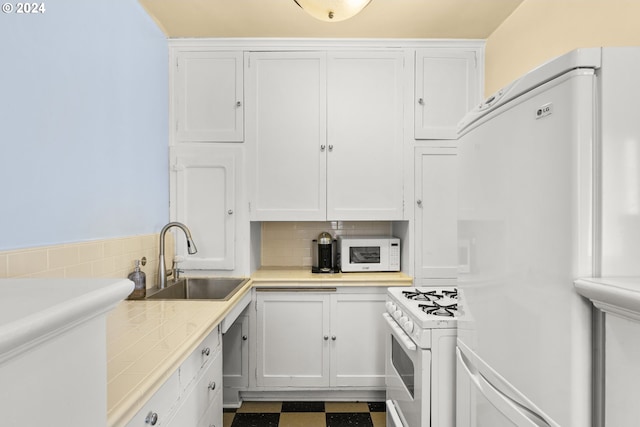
<point>324,254</point>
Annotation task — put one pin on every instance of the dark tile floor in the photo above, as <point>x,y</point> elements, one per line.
<point>306,414</point>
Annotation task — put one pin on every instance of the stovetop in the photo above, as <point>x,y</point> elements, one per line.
<point>426,307</point>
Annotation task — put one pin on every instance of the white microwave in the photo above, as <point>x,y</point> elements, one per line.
<point>368,253</point>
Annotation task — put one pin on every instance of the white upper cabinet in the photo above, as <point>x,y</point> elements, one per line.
<point>325,134</point>
<point>436,245</point>
<point>448,84</point>
<point>208,97</point>
<point>203,197</point>
<point>286,135</point>
<point>364,136</point>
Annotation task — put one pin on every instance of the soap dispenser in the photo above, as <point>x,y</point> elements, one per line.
<point>140,281</point>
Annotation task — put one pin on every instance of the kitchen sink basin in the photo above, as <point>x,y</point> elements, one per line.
<point>208,288</point>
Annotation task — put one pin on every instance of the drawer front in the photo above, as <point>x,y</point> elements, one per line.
<point>200,358</point>
<point>159,407</point>
<point>206,391</point>
<point>213,416</point>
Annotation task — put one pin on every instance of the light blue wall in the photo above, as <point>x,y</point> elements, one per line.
<point>83,123</point>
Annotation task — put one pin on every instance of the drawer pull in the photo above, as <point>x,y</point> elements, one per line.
<point>206,351</point>
<point>212,385</point>
<point>152,418</point>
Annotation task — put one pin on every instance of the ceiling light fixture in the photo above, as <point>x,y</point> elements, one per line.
<point>332,10</point>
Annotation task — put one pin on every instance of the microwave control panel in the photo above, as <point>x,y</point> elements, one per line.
<point>394,256</point>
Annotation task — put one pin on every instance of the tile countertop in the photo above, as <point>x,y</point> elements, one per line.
<point>148,340</point>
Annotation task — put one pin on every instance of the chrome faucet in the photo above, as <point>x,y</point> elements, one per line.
<point>162,267</point>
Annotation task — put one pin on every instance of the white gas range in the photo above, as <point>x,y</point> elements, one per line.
<point>420,355</point>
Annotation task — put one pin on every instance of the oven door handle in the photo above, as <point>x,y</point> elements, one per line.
<point>401,335</point>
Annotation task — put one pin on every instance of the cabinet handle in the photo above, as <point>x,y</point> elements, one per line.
<point>152,418</point>
<point>244,338</point>
<point>238,104</point>
<point>230,211</point>
<point>206,351</point>
<point>421,101</point>
<point>419,203</point>
<point>333,338</point>
<point>212,385</point>
<point>322,147</point>
<point>330,147</point>
<point>326,337</point>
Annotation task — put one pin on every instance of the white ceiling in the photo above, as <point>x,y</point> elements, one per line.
<point>458,19</point>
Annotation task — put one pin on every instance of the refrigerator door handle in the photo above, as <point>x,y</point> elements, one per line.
<point>514,411</point>
<point>394,417</point>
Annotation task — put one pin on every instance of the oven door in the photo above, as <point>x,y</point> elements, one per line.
<point>408,379</point>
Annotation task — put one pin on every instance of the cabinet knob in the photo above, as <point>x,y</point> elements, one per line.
<point>330,147</point>
<point>244,338</point>
<point>206,351</point>
<point>212,385</point>
<point>152,418</point>
<point>230,211</point>
<point>333,338</point>
<point>322,147</point>
<point>326,337</point>
<point>421,101</point>
<point>419,203</point>
<point>238,104</point>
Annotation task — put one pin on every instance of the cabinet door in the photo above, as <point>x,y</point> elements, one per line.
<point>357,340</point>
<point>436,251</point>
<point>208,96</point>
<point>292,339</point>
<point>364,135</point>
<point>235,349</point>
<point>204,200</point>
<point>286,135</point>
<point>447,86</point>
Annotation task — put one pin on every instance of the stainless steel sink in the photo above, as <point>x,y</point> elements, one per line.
<point>210,288</point>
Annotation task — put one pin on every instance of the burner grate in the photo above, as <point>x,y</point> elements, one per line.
<point>430,296</point>
<point>439,310</point>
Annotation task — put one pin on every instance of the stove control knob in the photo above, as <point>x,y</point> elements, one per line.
<point>408,326</point>
<point>397,314</point>
<point>403,320</point>
<point>391,307</point>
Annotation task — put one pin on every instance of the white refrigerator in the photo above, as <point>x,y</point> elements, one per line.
<point>549,191</point>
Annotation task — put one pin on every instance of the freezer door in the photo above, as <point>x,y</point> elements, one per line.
<point>526,215</point>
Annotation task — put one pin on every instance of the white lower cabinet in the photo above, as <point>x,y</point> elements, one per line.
<point>206,393</point>
<point>320,338</point>
<point>235,357</point>
<point>357,352</point>
<point>192,395</point>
